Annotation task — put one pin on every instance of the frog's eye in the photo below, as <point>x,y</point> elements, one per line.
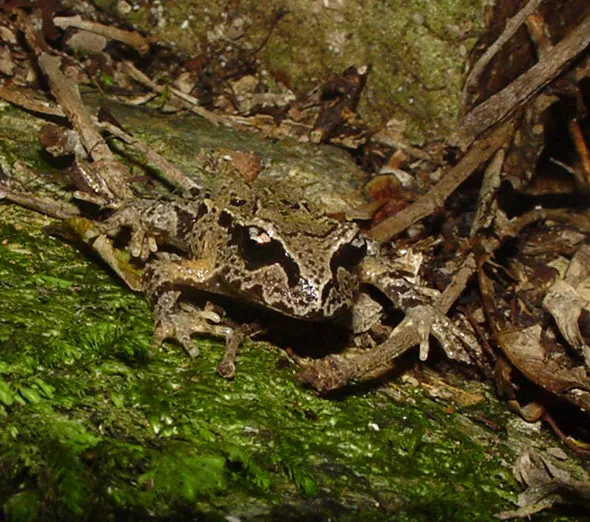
<point>258,249</point>
<point>349,255</point>
<point>258,235</point>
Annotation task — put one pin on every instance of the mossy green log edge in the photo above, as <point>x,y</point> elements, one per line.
<point>93,428</point>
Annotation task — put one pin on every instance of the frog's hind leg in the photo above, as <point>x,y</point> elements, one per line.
<point>418,302</point>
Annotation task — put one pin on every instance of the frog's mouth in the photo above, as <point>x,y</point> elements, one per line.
<point>305,300</point>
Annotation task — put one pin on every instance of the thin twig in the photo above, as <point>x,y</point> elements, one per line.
<point>480,152</point>
<point>510,29</point>
<point>131,38</point>
<point>44,205</point>
<point>67,95</point>
<point>501,105</point>
<point>185,100</point>
<point>23,99</point>
<point>168,171</point>
<point>583,153</point>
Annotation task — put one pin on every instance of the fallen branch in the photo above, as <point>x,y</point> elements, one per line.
<point>169,172</point>
<point>334,372</point>
<point>479,153</point>
<point>185,100</point>
<point>510,29</point>
<point>110,180</point>
<point>501,105</point>
<point>131,38</point>
<point>67,95</point>
<point>25,100</point>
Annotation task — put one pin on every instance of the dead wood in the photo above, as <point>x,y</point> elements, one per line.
<point>434,200</point>
<point>520,91</point>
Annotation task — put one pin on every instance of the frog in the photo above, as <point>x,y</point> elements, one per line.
<point>254,243</point>
<point>260,248</point>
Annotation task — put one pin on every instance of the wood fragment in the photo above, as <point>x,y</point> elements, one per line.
<point>486,201</point>
<point>510,29</point>
<point>501,105</point>
<point>480,152</point>
<point>385,139</point>
<point>538,32</point>
<point>131,38</point>
<point>185,100</point>
<point>583,178</point>
<point>44,205</point>
<point>23,99</point>
<point>66,93</point>
<point>169,172</point>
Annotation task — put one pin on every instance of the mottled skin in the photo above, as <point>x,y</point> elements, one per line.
<point>263,249</point>
<point>281,255</point>
<point>300,264</point>
<point>260,248</point>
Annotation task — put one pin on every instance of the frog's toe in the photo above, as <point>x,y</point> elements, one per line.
<point>430,321</point>
<point>180,325</point>
<point>458,343</point>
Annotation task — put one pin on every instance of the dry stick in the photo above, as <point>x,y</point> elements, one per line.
<point>334,372</point>
<point>111,174</point>
<point>131,38</point>
<point>521,90</point>
<point>185,100</point>
<point>25,100</point>
<point>47,206</point>
<point>390,141</point>
<point>511,27</point>
<point>168,171</point>
<point>67,95</point>
<point>538,34</point>
<point>579,221</point>
<point>583,153</point>
<point>480,152</point>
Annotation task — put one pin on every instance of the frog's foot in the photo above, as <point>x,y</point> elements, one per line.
<point>227,367</point>
<point>181,322</point>
<point>333,372</point>
<point>427,320</point>
<point>142,242</point>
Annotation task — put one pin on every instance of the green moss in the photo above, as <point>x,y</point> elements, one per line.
<point>417,49</point>
<point>90,425</point>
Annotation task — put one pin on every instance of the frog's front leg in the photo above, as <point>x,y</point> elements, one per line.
<point>147,220</point>
<point>179,320</point>
<point>403,288</point>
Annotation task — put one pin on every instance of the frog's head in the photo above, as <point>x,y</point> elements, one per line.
<point>303,269</point>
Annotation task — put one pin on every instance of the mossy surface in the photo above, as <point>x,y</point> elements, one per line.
<point>92,427</point>
<point>417,49</point>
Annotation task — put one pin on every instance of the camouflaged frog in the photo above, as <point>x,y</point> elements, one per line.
<point>260,249</point>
